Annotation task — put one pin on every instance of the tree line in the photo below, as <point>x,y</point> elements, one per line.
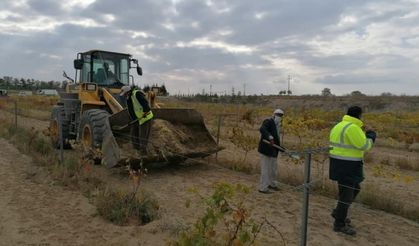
<point>11,83</point>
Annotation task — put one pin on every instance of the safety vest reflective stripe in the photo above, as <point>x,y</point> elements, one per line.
<point>138,109</point>
<point>147,117</point>
<point>342,133</point>
<point>346,146</point>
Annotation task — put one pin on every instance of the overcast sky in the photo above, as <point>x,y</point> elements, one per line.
<point>371,46</point>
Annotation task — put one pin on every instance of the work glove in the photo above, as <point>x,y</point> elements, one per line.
<point>271,140</point>
<point>371,134</point>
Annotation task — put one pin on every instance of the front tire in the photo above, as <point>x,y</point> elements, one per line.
<point>93,125</point>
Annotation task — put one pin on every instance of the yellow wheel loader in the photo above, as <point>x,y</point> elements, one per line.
<point>90,111</point>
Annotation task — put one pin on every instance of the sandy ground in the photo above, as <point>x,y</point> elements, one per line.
<point>34,211</point>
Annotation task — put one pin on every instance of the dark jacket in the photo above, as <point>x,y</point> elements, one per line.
<point>141,99</point>
<point>344,171</point>
<point>267,129</point>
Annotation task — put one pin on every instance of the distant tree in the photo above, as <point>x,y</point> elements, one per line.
<point>164,90</point>
<point>281,93</point>
<point>289,92</point>
<point>326,92</point>
<point>146,88</point>
<point>357,93</point>
<point>386,94</point>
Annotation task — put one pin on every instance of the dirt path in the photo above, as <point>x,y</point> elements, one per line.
<point>34,211</point>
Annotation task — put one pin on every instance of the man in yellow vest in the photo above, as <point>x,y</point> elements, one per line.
<point>138,109</point>
<point>348,143</point>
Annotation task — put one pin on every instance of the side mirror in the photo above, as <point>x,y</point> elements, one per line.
<point>139,70</point>
<point>78,64</point>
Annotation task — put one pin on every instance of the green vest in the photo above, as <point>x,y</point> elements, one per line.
<point>138,109</point>
<point>348,141</point>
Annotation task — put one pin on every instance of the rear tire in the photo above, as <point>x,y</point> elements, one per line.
<point>93,125</point>
<point>58,119</point>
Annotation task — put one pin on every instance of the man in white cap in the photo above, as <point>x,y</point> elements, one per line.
<point>138,109</point>
<point>269,166</point>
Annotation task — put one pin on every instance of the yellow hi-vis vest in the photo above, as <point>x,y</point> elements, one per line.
<point>348,141</point>
<point>138,109</point>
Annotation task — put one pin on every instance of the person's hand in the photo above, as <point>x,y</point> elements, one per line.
<point>371,135</point>
<point>271,140</point>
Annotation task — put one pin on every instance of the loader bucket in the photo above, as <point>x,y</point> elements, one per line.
<point>176,135</point>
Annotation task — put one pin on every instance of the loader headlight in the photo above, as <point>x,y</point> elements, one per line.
<point>91,87</point>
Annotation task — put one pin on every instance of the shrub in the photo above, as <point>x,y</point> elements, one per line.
<point>226,221</point>
<point>122,207</point>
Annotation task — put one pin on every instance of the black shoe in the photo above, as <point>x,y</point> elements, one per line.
<point>347,220</point>
<point>266,191</point>
<point>345,229</point>
<point>273,188</point>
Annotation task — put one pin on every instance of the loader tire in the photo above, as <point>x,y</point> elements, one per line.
<point>58,119</point>
<point>93,125</point>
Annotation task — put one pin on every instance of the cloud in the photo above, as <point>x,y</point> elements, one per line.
<point>344,45</point>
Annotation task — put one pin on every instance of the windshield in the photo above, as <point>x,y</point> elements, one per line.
<point>105,69</point>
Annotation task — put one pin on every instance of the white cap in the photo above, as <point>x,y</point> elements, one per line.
<point>124,90</point>
<point>278,111</point>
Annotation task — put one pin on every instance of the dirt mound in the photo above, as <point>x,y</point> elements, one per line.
<point>173,141</point>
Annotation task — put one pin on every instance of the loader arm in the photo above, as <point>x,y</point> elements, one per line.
<point>113,104</point>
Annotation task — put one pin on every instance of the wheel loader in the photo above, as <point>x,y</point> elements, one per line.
<point>91,112</point>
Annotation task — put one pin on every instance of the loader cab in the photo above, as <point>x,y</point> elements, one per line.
<point>106,69</point>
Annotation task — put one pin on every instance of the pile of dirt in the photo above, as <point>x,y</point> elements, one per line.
<point>174,141</point>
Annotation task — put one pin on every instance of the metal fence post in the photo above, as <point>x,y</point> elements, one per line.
<point>218,136</point>
<point>304,219</point>
<point>15,114</point>
<point>60,133</point>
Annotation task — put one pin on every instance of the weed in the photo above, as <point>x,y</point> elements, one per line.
<point>121,208</point>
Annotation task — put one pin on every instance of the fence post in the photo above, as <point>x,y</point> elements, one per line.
<point>238,114</point>
<point>15,114</point>
<point>218,136</point>
<point>60,133</point>
<point>304,219</point>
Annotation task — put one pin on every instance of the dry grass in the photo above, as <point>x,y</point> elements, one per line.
<point>238,165</point>
<point>122,208</point>
<point>388,201</point>
<point>407,163</point>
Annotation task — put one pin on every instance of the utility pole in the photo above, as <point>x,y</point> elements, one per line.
<point>244,89</point>
<point>289,82</point>
<point>210,90</point>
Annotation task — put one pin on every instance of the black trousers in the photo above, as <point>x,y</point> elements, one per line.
<point>347,194</point>
<point>140,135</point>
